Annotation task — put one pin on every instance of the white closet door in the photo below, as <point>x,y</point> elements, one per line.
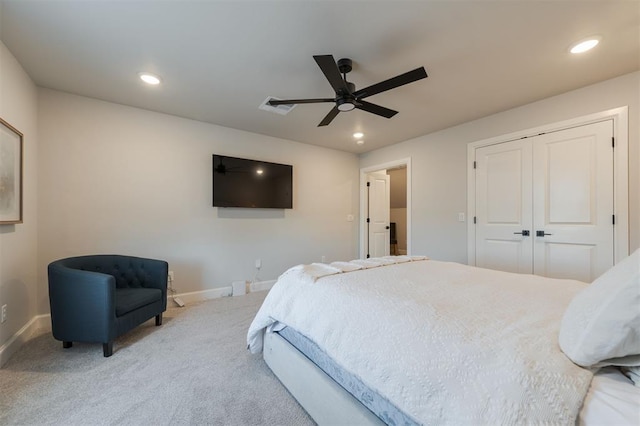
<point>503,207</point>
<point>573,202</point>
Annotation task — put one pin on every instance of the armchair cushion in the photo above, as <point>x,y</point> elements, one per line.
<point>130,299</point>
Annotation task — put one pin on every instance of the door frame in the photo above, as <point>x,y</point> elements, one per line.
<point>363,201</point>
<point>620,117</point>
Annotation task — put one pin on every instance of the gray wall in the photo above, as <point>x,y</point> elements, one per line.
<point>18,243</point>
<point>439,161</point>
<point>118,179</point>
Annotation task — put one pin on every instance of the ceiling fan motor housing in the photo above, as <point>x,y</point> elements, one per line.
<point>351,86</point>
<point>346,101</point>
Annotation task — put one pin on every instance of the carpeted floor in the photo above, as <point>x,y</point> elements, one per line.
<point>194,369</point>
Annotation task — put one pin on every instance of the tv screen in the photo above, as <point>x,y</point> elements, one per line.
<point>240,182</point>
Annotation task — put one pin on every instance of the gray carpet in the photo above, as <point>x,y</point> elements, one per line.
<point>194,369</point>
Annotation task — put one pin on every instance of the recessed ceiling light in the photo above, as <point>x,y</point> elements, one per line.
<point>149,78</point>
<point>360,142</point>
<point>585,45</point>
<point>358,135</point>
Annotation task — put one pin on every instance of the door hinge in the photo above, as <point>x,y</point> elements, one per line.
<point>474,164</point>
<point>474,219</point>
<point>613,219</point>
<point>368,183</point>
<point>613,142</point>
<point>368,220</point>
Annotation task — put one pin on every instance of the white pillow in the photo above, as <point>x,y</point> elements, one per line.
<point>603,320</point>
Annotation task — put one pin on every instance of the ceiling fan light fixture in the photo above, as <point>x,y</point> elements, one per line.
<point>358,135</point>
<point>585,45</point>
<point>360,142</point>
<point>345,105</point>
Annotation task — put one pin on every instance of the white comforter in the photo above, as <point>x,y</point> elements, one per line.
<point>446,343</point>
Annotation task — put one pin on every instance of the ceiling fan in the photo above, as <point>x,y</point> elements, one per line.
<point>347,98</point>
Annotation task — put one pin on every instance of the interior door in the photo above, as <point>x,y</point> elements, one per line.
<point>573,202</point>
<point>503,207</point>
<point>379,202</point>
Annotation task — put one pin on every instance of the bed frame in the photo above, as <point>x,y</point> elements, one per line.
<point>323,398</point>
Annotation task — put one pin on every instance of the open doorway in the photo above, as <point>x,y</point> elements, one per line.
<point>385,203</point>
<point>398,210</point>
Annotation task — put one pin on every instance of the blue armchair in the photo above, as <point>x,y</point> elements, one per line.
<point>98,298</point>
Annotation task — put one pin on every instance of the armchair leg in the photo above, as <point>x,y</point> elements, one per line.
<point>107,349</point>
<point>158,320</point>
<point>67,345</point>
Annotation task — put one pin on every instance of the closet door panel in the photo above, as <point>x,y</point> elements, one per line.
<point>573,202</point>
<point>566,260</point>
<point>503,207</point>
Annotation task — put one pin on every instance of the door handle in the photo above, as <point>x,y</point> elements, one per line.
<point>541,234</point>
<point>386,227</point>
<point>524,233</point>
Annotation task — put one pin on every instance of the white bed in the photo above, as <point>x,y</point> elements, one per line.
<point>444,343</point>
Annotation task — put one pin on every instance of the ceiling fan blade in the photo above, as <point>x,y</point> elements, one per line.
<point>329,117</point>
<point>299,101</point>
<point>392,83</point>
<point>330,69</point>
<point>376,109</point>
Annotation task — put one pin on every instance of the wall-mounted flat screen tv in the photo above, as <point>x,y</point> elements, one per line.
<point>240,182</point>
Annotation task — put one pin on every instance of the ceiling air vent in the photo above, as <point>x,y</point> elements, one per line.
<point>278,109</point>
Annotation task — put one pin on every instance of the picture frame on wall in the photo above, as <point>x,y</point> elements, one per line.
<point>11,161</point>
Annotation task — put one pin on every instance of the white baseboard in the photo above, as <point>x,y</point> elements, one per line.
<point>37,324</point>
<point>199,296</point>
<point>262,285</point>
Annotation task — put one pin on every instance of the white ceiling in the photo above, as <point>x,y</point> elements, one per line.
<point>219,60</point>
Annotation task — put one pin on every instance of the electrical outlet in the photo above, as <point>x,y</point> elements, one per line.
<point>171,277</point>
<point>258,263</point>
<point>3,316</point>
<point>324,259</point>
